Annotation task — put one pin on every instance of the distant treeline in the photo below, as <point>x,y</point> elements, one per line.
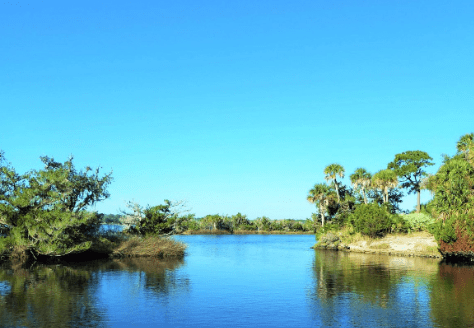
<point>112,219</point>
<point>165,219</point>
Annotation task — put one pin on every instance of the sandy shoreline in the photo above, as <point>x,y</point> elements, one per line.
<point>420,244</point>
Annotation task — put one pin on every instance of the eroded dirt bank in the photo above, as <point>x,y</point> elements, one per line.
<point>421,244</point>
<point>415,244</point>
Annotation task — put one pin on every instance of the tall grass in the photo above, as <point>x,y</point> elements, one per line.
<point>135,246</point>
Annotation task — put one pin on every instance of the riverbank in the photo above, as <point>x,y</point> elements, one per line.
<point>421,244</point>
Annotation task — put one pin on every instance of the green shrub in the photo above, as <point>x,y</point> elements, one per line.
<point>191,225</point>
<point>399,224</point>
<point>444,230</point>
<point>418,221</point>
<point>371,219</point>
<point>328,228</point>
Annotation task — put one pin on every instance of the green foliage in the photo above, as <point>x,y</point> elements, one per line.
<point>330,227</point>
<point>465,146</point>
<point>385,180</point>
<point>444,231</point>
<point>45,210</point>
<point>263,223</point>
<point>409,167</point>
<point>187,222</point>
<point>323,196</point>
<point>371,219</point>
<point>453,201</point>
<point>158,220</point>
<point>331,172</point>
<point>239,219</point>
<point>216,222</point>
<point>453,186</point>
<point>112,219</point>
<point>399,224</point>
<point>418,221</point>
<point>248,227</point>
<point>361,179</point>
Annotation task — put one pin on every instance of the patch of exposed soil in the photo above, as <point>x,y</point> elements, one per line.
<point>414,244</point>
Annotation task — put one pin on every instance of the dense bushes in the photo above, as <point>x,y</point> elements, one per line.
<point>453,202</point>
<point>155,220</point>
<point>418,221</point>
<point>44,212</point>
<point>371,219</point>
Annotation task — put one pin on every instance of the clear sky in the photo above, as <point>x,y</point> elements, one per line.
<point>233,106</point>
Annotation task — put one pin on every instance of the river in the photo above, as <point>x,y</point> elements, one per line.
<point>240,281</point>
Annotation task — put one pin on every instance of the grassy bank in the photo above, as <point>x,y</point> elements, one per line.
<point>135,246</point>
<point>115,247</point>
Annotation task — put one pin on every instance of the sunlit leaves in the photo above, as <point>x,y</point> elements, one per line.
<point>46,209</point>
<point>385,180</point>
<point>331,173</point>
<point>361,179</point>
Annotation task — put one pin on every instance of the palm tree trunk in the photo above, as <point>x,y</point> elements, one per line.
<point>418,206</point>
<point>337,191</point>
<point>322,210</point>
<point>365,196</point>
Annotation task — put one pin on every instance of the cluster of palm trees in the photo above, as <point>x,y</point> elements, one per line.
<point>324,195</point>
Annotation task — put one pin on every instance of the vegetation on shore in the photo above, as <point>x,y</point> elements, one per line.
<point>44,214</point>
<point>370,207</point>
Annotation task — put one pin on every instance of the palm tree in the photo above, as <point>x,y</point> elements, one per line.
<point>332,171</point>
<point>361,179</point>
<point>321,196</point>
<point>385,180</point>
<point>465,146</point>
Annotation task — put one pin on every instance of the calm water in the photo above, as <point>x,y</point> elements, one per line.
<point>241,281</point>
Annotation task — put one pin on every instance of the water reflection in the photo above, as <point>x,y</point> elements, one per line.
<point>66,295</point>
<point>452,296</point>
<point>372,277</point>
<point>241,282</point>
<point>47,296</point>
<point>354,289</point>
<point>158,275</point>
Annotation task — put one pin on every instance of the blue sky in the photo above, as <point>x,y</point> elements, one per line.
<point>233,106</point>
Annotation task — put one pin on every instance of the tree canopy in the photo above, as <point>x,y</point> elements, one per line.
<point>321,195</point>
<point>45,211</point>
<point>453,201</point>
<point>331,172</point>
<point>385,180</point>
<point>409,167</point>
<point>361,179</point>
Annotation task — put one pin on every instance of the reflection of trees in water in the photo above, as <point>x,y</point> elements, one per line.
<point>370,291</point>
<point>159,276</point>
<point>47,296</point>
<point>64,295</point>
<point>452,296</point>
<point>339,273</point>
